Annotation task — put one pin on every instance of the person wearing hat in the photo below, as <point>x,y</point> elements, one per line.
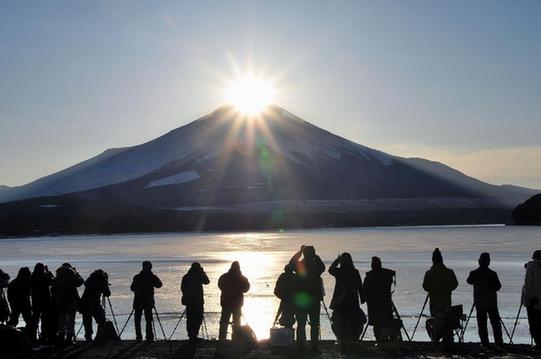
<point>531,297</point>
<point>192,297</point>
<point>486,285</point>
<point>377,295</point>
<point>439,282</point>
<point>285,289</point>
<point>233,285</point>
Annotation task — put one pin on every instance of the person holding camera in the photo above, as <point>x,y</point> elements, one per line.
<point>193,298</point>
<point>19,291</point>
<point>143,285</point>
<point>309,293</point>
<point>233,285</point>
<point>486,285</point>
<point>348,318</point>
<point>42,280</point>
<point>65,300</point>
<point>531,297</point>
<point>377,294</point>
<point>285,288</point>
<point>96,286</point>
<point>4,307</point>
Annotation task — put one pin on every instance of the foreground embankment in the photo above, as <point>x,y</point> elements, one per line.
<point>329,349</point>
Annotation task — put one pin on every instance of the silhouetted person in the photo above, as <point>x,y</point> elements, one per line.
<point>65,300</point>
<point>96,286</point>
<point>531,297</point>
<point>143,285</point>
<point>285,288</point>
<point>42,280</point>
<point>4,307</point>
<point>439,282</point>
<point>192,297</point>
<point>347,317</point>
<point>377,295</point>
<point>486,285</point>
<point>233,286</point>
<point>19,291</point>
<point>309,293</point>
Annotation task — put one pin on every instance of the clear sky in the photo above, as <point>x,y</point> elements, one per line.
<point>453,81</point>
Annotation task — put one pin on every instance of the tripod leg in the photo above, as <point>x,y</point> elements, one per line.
<point>419,319</point>
<point>401,323</point>
<point>178,323</point>
<point>79,331</point>
<point>364,332</point>
<point>515,325</point>
<point>506,331</point>
<point>461,339</point>
<point>125,324</point>
<point>163,332</point>
<point>112,313</point>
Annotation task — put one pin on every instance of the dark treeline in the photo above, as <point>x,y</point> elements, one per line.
<point>49,300</point>
<point>65,215</point>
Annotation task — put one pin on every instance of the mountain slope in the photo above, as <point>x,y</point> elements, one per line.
<point>224,159</point>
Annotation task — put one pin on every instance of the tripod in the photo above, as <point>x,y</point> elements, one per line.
<point>176,326</point>
<point>401,322</point>
<point>419,319</point>
<point>461,338</point>
<point>515,325</point>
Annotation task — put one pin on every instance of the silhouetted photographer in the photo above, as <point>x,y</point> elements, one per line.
<point>42,280</point>
<point>193,298</point>
<point>486,285</point>
<point>4,307</point>
<point>439,282</point>
<point>233,286</point>
<point>531,297</point>
<point>143,285</point>
<point>285,288</point>
<point>96,286</point>
<point>377,294</point>
<point>66,299</point>
<point>19,291</point>
<point>309,293</point>
<point>347,317</point>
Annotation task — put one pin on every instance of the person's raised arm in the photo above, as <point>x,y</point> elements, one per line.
<point>204,277</point>
<point>320,266</point>
<point>294,261</point>
<point>157,282</point>
<point>334,266</point>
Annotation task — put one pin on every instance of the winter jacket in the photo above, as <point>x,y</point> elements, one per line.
<point>531,291</point>
<point>377,295</point>
<point>41,290</point>
<point>95,286</point>
<point>233,286</point>
<point>143,285</point>
<point>309,274</point>
<point>439,282</point>
<point>19,293</point>
<point>64,289</point>
<point>486,284</point>
<point>192,287</point>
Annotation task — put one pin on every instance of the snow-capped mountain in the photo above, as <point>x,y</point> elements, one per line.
<point>226,162</point>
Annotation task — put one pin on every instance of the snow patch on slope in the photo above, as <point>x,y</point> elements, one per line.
<point>179,178</point>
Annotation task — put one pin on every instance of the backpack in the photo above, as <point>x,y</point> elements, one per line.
<point>106,333</point>
<point>244,338</point>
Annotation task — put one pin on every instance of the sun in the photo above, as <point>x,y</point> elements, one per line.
<point>250,95</point>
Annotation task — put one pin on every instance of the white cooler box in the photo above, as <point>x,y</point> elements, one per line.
<point>281,337</point>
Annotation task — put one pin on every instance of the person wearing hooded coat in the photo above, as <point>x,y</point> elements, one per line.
<point>439,282</point>
<point>348,318</point>
<point>143,285</point>
<point>4,307</point>
<point>309,293</point>
<point>531,297</point>
<point>486,285</point>
<point>193,298</point>
<point>96,286</point>
<point>233,285</point>
<point>284,289</point>
<point>377,294</point>
<point>65,300</point>
<point>19,291</point>
<point>42,280</point>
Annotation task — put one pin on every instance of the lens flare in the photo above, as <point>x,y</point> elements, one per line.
<point>250,95</point>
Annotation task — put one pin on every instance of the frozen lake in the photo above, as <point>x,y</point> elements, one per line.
<point>262,256</point>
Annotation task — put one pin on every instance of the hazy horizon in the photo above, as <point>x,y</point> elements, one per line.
<point>455,82</point>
